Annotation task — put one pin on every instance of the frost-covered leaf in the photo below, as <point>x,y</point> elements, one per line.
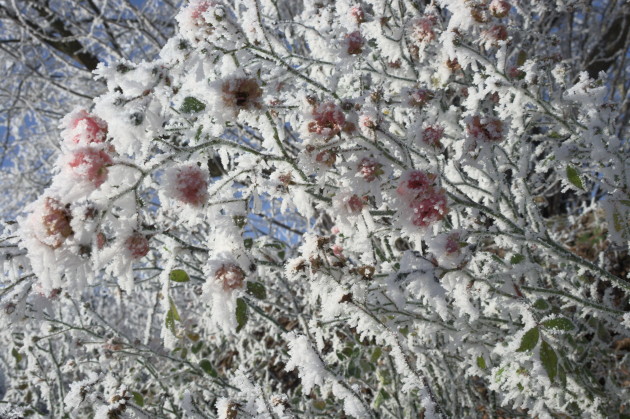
<point>559,323</point>
<point>138,399</point>
<point>376,354</point>
<point>206,366</point>
<point>541,305</point>
<point>241,313</point>
<point>529,340</point>
<point>171,316</point>
<point>192,105</point>
<point>549,360</point>
<point>481,362</point>
<point>257,289</point>
<point>574,177</point>
<point>17,355</point>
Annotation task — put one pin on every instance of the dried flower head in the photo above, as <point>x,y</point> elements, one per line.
<point>230,276</point>
<point>354,43</point>
<point>242,93</point>
<point>55,219</point>
<point>499,8</point>
<point>138,245</point>
<point>189,184</point>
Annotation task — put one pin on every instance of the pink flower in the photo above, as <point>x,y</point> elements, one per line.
<point>358,14</point>
<point>91,165</point>
<point>328,121</point>
<point>230,276</point>
<point>86,128</point>
<point>326,157</point>
<point>56,221</point>
<point>432,135</point>
<point>191,185</point>
<point>337,250</point>
<point>370,169</point>
<point>422,29</point>
<point>452,243</point>
<point>195,11</point>
<point>415,183</point>
<point>354,43</point>
<point>368,121</point>
<point>355,204</point>
<point>485,129</point>
<point>429,209</point>
<point>137,245</point>
<point>499,8</point>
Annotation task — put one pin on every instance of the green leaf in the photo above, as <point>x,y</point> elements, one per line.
<point>179,275</point>
<point>521,58</point>
<point>574,177</point>
<point>248,243</point>
<point>380,398</point>
<point>541,305</point>
<point>206,366</point>
<point>319,404</point>
<point>17,355</point>
<point>517,258</point>
<point>171,316</point>
<point>192,105</point>
<point>497,376</point>
<point>559,323</point>
<point>241,313</point>
<point>529,340</point>
<point>562,376</point>
<point>257,290</point>
<point>376,354</point>
<point>174,309</point>
<point>196,347</point>
<point>481,363</point>
<point>137,398</point>
<point>549,360</point>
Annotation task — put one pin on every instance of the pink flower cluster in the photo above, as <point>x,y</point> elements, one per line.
<point>422,29</point>
<point>85,137</point>
<point>195,10</point>
<point>426,200</point>
<point>485,129</point>
<point>432,135</point>
<point>370,169</point>
<point>328,120</point>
